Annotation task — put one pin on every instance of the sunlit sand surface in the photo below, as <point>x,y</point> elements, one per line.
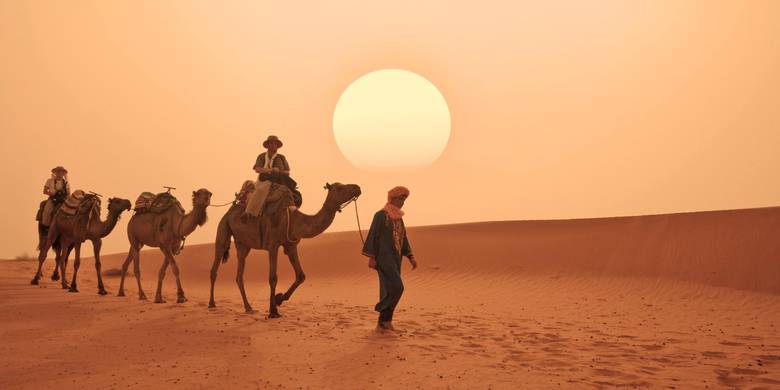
<point>677,301</point>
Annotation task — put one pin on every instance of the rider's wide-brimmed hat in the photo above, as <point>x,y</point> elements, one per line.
<point>59,169</point>
<point>272,138</point>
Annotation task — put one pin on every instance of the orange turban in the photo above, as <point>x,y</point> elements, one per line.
<point>397,192</point>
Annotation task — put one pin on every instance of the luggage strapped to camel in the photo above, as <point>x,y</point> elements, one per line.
<point>149,202</point>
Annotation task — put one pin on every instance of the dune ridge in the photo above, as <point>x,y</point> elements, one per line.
<point>729,248</point>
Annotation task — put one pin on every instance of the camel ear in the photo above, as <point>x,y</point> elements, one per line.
<point>327,186</point>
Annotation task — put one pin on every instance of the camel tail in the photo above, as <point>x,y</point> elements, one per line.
<point>222,243</point>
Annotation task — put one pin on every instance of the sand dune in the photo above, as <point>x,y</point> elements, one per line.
<point>682,300</point>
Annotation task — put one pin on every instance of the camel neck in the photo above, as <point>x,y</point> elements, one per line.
<point>192,220</point>
<point>308,226</point>
<point>105,228</point>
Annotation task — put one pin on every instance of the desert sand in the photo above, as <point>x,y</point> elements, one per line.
<point>667,301</point>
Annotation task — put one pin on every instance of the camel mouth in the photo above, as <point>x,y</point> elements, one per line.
<point>124,204</point>
<point>201,197</point>
<point>355,191</point>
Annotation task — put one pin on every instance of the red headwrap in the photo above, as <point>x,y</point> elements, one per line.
<point>394,212</point>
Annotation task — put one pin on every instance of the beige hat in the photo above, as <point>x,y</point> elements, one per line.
<point>272,138</point>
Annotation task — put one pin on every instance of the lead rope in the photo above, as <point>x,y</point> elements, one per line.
<point>357,217</point>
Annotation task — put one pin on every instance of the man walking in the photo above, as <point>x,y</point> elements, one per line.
<point>385,246</point>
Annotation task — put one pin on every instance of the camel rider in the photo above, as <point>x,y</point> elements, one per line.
<point>268,162</point>
<point>57,189</point>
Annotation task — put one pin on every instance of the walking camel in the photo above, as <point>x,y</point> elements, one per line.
<point>166,229</point>
<point>284,228</point>
<point>69,231</point>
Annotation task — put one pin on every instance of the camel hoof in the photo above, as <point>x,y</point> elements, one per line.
<point>158,300</point>
<point>65,287</point>
<point>102,292</point>
<point>120,294</point>
<point>73,290</point>
<point>249,310</point>
<point>55,277</point>
<point>181,299</point>
<point>142,297</point>
<point>212,305</point>
<point>274,315</point>
<point>279,298</point>
<point>34,282</point>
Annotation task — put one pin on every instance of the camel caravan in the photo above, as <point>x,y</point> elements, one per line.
<point>264,215</point>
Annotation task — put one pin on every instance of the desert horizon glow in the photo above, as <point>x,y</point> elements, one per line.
<point>391,118</point>
<point>571,110</point>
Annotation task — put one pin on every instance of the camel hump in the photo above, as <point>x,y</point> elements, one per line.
<point>280,197</point>
<point>79,203</point>
<point>160,203</point>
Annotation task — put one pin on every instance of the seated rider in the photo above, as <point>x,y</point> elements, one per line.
<point>58,189</point>
<point>267,162</point>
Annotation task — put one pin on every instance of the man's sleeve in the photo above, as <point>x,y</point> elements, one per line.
<point>369,248</point>
<point>406,249</point>
<point>285,165</point>
<point>258,163</point>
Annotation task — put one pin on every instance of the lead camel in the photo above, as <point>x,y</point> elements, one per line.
<point>293,225</point>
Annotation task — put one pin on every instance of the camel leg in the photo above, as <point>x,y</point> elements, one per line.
<point>55,276</point>
<point>241,252</point>
<point>180,298</point>
<point>137,272</point>
<point>221,246</point>
<point>41,259</point>
<point>272,279</point>
<point>76,265</point>
<point>214,268</point>
<point>44,245</point>
<point>125,265</point>
<point>53,241</point>
<point>292,254</point>
<point>65,248</point>
<point>96,245</point>
<point>160,276</point>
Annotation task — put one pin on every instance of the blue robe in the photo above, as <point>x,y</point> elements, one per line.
<point>379,245</point>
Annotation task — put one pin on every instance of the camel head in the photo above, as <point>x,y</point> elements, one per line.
<point>118,205</point>
<point>201,198</point>
<point>339,194</point>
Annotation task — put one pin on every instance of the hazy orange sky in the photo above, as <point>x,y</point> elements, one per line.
<point>559,109</point>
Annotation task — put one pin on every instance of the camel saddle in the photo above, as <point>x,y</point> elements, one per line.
<point>279,197</point>
<point>148,202</point>
<point>79,203</point>
<point>275,213</point>
<point>287,181</point>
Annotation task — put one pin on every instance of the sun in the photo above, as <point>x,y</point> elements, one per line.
<point>391,118</point>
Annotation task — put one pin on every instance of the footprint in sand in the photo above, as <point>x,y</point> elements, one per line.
<point>737,377</point>
<point>714,354</point>
<point>473,345</point>
<point>652,347</point>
